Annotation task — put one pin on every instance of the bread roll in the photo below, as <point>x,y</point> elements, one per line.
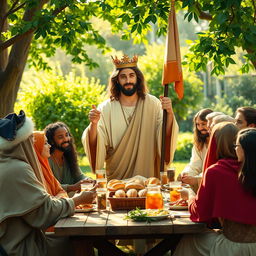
<point>153,181</point>
<point>111,182</point>
<point>137,180</point>
<point>116,186</point>
<point>142,193</point>
<point>120,193</point>
<point>137,186</point>
<point>132,193</point>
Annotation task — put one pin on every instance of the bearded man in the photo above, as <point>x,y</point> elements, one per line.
<point>192,173</point>
<point>125,131</point>
<point>63,160</point>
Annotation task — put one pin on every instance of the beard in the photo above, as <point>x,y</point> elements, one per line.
<point>128,92</point>
<point>63,149</point>
<point>204,136</point>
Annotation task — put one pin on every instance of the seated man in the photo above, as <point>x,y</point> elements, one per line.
<point>245,117</point>
<point>192,173</point>
<point>63,160</point>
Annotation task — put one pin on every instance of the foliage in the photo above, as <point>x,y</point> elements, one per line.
<point>152,66</point>
<point>241,92</point>
<point>69,25</point>
<point>57,98</point>
<point>231,24</point>
<point>184,146</point>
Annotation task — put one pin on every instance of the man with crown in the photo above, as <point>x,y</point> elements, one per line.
<point>125,130</point>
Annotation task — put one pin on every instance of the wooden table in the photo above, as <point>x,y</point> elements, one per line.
<point>99,227</point>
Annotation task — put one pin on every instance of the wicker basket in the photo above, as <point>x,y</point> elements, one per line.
<point>126,203</point>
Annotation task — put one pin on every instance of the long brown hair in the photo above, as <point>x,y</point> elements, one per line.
<point>200,139</point>
<point>114,91</point>
<point>225,134</point>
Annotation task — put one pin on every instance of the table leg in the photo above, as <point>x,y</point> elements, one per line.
<point>81,246</point>
<point>107,248</point>
<point>168,243</point>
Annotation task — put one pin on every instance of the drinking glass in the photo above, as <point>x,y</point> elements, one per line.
<point>163,178</point>
<point>101,174</point>
<point>175,191</point>
<point>86,186</point>
<point>170,174</point>
<point>101,198</point>
<point>154,198</point>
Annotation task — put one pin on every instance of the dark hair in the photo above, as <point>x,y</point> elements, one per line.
<point>115,92</point>
<point>249,114</point>
<point>70,155</point>
<point>247,140</point>
<point>199,138</point>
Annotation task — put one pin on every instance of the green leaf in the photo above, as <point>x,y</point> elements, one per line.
<point>134,27</point>
<point>153,18</point>
<point>190,16</point>
<point>136,18</point>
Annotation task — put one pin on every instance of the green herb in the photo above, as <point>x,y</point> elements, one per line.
<point>138,215</point>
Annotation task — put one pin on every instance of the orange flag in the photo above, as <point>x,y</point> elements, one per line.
<point>172,64</point>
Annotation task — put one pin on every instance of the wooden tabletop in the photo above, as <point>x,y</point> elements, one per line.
<point>113,224</point>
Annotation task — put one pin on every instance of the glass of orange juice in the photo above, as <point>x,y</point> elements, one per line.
<point>154,198</point>
<point>101,174</point>
<point>175,188</point>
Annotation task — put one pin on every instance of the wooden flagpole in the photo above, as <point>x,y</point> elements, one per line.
<point>166,89</point>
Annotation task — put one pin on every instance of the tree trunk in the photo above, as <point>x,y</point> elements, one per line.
<point>253,61</point>
<point>11,76</point>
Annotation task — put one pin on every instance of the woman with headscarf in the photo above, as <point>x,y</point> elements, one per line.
<point>42,149</point>
<point>227,193</point>
<point>26,207</point>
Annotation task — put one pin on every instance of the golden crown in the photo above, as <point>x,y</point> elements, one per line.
<point>125,61</point>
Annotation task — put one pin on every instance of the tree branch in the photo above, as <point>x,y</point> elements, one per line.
<point>203,15</point>
<point>16,38</point>
<point>12,10</point>
<point>254,5</point>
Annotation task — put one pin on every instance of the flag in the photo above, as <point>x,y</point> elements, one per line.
<point>172,71</point>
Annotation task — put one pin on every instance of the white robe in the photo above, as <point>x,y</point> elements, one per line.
<point>132,150</point>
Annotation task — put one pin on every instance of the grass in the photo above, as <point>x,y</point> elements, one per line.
<point>85,167</point>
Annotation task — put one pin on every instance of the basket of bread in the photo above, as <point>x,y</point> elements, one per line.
<point>129,194</point>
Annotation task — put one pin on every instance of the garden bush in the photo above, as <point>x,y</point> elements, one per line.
<point>51,97</point>
<point>184,146</point>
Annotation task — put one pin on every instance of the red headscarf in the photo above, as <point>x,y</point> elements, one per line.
<point>53,187</point>
<point>211,154</point>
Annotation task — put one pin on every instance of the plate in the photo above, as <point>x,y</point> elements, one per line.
<point>87,209</point>
<point>178,207</point>
<point>166,186</point>
<point>155,218</point>
<point>148,215</point>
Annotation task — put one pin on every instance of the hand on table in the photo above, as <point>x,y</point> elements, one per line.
<point>189,180</point>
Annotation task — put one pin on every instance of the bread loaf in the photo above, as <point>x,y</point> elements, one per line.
<point>111,182</point>
<point>134,185</point>
<point>142,193</point>
<point>137,180</point>
<point>120,193</point>
<point>132,193</point>
<point>152,181</point>
<point>116,186</point>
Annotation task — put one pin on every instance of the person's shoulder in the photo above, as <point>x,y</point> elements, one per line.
<point>104,104</point>
<point>152,99</point>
